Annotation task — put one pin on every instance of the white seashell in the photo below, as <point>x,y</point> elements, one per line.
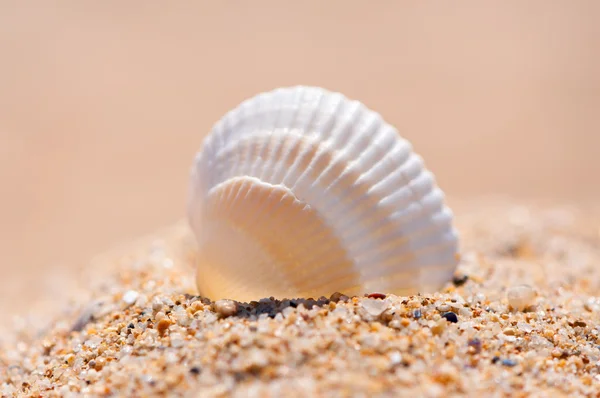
<point>301,192</point>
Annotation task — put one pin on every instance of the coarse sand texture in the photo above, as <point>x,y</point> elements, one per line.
<point>519,318</point>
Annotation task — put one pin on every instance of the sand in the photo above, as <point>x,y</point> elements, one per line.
<point>520,318</point>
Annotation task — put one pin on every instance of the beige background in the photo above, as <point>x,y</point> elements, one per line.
<point>103,105</point>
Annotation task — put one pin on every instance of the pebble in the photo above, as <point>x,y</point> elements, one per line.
<point>520,297</point>
<point>162,326</point>
<point>395,358</point>
<point>130,297</point>
<point>373,307</point>
<point>450,317</point>
<point>176,340</point>
<point>225,308</point>
<point>509,362</point>
<point>460,279</point>
<point>444,307</point>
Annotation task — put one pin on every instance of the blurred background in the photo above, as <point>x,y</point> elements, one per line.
<point>103,104</point>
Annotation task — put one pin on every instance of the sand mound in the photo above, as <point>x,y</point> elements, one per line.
<point>519,318</point>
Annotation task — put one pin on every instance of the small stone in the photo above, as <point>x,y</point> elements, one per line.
<point>465,312</point>
<point>459,279</point>
<point>157,305</point>
<point>520,297</point>
<point>372,308</point>
<point>130,297</point>
<point>439,327</point>
<point>509,362</point>
<point>548,333</point>
<point>443,308</point>
<point>225,308</point>
<point>100,362</point>
<point>579,323</point>
<point>337,297</point>
<point>176,340</point>
<point>450,317</point>
<point>510,339</point>
<point>395,358</point>
<point>163,325</point>
<point>509,331</point>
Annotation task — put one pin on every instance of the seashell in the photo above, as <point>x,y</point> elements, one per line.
<point>302,192</point>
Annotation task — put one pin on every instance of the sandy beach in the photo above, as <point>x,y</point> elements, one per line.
<point>519,318</point>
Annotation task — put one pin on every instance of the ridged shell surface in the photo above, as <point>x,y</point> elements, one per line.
<point>302,192</point>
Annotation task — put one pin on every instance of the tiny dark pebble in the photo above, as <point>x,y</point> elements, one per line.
<point>495,359</point>
<point>195,370</point>
<point>459,280</point>
<point>337,296</point>
<point>509,362</point>
<point>205,301</point>
<point>131,326</point>
<point>417,314</point>
<point>322,301</point>
<point>450,317</point>
<point>309,303</point>
<point>376,296</point>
